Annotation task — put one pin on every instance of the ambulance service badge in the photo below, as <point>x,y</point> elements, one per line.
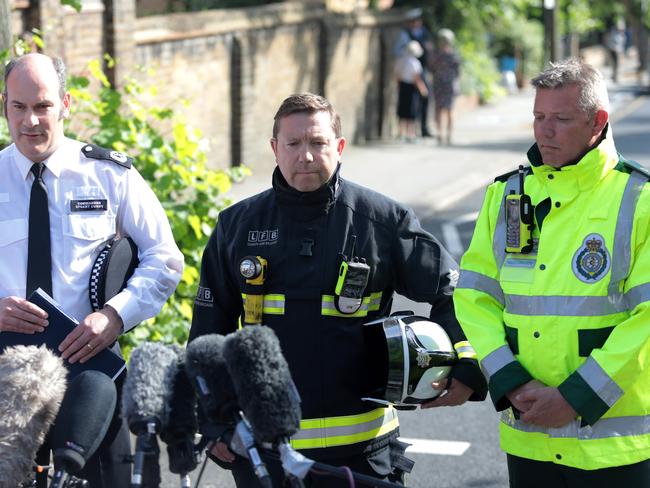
<point>591,261</point>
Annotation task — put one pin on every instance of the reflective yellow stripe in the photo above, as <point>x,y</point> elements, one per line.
<point>273,303</point>
<point>368,304</point>
<point>345,430</point>
<point>465,350</point>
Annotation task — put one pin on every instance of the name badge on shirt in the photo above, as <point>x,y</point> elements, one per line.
<point>94,205</point>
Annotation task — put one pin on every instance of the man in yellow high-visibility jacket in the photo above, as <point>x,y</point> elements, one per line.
<point>560,324</point>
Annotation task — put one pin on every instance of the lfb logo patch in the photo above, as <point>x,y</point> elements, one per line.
<point>591,262</point>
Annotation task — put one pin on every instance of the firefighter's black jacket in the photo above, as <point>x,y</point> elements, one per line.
<point>326,355</point>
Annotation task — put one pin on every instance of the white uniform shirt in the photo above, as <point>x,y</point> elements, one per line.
<point>77,236</point>
<point>407,68</point>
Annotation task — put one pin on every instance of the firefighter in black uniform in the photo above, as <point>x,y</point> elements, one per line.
<point>315,258</point>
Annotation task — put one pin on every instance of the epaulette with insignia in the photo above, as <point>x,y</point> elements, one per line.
<point>504,177</point>
<point>634,166</point>
<point>97,152</point>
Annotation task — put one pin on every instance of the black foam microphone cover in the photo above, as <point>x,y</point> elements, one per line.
<point>182,425</point>
<point>206,366</point>
<point>147,389</point>
<point>84,418</point>
<point>263,382</point>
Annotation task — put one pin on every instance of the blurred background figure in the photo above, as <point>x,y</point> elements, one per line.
<point>412,90</point>
<point>615,41</point>
<point>445,65</point>
<point>417,30</point>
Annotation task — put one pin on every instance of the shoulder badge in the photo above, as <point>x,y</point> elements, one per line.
<point>592,260</point>
<point>631,165</point>
<point>504,177</point>
<point>97,152</point>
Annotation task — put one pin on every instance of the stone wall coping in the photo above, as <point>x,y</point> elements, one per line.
<point>170,27</point>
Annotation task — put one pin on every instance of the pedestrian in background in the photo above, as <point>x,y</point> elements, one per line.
<point>445,66</point>
<point>560,319</point>
<point>616,40</point>
<point>411,90</point>
<point>417,30</point>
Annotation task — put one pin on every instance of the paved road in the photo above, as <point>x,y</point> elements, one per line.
<point>445,186</point>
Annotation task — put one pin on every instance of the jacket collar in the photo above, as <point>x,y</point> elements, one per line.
<point>306,205</point>
<point>584,173</point>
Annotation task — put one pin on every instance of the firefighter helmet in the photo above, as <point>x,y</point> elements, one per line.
<point>416,352</point>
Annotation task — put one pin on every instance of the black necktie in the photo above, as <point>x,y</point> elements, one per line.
<point>39,257</point>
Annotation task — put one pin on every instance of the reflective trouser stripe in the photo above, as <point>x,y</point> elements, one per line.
<point>349,429</point>
<point>273,303</point>
<point>602,429</point>
<point>465,350</point>
<point>600,382</point>
<point>623,234</point>
<point>480,282</point>
<point>368,304</point>
<point>497,360</point>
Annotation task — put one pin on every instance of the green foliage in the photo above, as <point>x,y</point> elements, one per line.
<point>75,4</point>
<point>174,163</point>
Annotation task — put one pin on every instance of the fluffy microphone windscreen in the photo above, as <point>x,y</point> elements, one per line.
<point>147,389</point>
<point>206,366</point>
<point>182,405</point>
<point>32,384</point>
<point>263,383</point>
<point>82,422</point>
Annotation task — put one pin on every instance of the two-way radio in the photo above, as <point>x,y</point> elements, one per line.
<point>519,219</point>
<point>352,281</point>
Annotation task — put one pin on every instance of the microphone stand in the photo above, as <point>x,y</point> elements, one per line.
<point>145,472</point>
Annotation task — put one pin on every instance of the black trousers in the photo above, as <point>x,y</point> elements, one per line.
<point>525,473</point>
<point>107,467</point>
<point>380,464</point>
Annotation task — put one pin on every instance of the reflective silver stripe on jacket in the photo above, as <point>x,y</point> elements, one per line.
<point>637,295</point>
<point>564,306</point>
<point>497,360</point>
<point>603,429</point>
<point>480,282</point>
<point>600,382</point>
<point>623,235</point>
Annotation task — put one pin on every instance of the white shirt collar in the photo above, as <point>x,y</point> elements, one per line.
<point>55,163</point>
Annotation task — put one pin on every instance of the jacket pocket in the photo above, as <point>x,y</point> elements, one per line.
<point>590,339</point>
<point>90,227</point>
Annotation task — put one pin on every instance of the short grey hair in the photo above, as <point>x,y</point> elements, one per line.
<point>572,71</point>
<point>59,68</point>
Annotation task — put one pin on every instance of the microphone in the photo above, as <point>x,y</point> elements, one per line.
<point>179,431</point>
<point>32,385</point>
<point>82,422</point>
<point>263,382</point>
<point>206,366</point>
<point>145,405</point>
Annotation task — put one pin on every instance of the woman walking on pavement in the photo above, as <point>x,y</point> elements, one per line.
<point>445,65</point>
<point>411,89</point>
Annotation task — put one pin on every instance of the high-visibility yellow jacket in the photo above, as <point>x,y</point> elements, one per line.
<point>573,314</point>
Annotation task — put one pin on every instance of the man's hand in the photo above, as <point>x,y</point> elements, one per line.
<point>220,451</point>
<point>548,407</point>
<point>457,394</point>
<point>19,315</point>
<point>97,331</point>
<point>514,395</point>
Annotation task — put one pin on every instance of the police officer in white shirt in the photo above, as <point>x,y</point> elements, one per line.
<point>93,195</point>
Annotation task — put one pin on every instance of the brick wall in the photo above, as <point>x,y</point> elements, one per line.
<point>234,67</point>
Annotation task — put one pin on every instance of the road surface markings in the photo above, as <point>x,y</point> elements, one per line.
<point>428,446</point>
<point>451,235</point>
